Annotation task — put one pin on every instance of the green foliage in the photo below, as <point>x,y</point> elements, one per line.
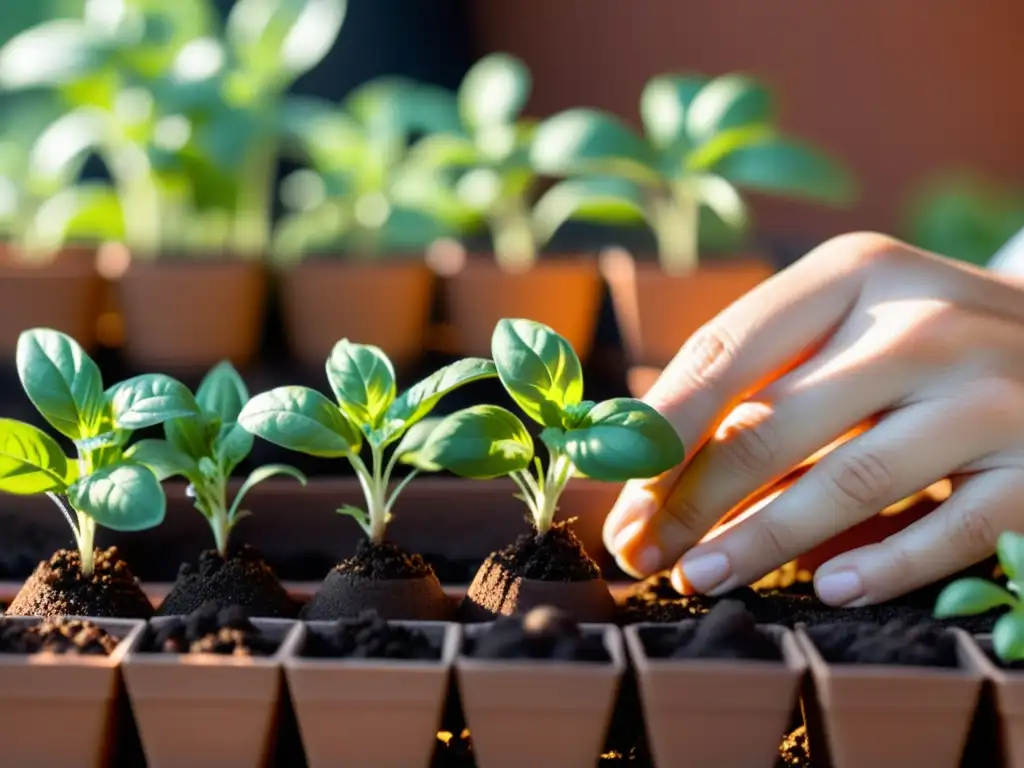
<point>615,440</point>
<point>972,596</point>
<point>206,447</point>
<point>703,140</point>
<point>367,411</point>
<point>103,484</point>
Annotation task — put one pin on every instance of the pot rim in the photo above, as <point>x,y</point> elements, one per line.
<point>451,637</point>
<point>610,633</point>
<point>133,629</point>
<point>974,645</point>
<point>136,657</point>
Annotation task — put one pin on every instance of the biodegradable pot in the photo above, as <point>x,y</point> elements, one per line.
<point>884,715</point>
<point>496,591</point>
<point>206,709</point>
<point>59,709</point>
<point>693,714</point>
<point>564,293</point>
<point>64,293</point>
<point>386,303</point>
<point>1008,686</point>
<point>189,314</point>
<point>346,595</point>
<point>377,713</point>
<point>657,312</point>
<point>540,713</point>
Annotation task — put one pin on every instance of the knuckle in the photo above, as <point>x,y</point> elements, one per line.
<point>856,481</point>
<point>706,356</point>
<point>748,441</point>
<point>973,531</point>
<point>772,541</point>
<point>863,250</point>
<point>900,565</point>
<point>690,521</point>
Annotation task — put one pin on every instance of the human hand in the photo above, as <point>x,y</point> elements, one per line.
<point>919,358</point>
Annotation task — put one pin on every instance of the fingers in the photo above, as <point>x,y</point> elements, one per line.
<point>960,533</point>
<point>908,450</point>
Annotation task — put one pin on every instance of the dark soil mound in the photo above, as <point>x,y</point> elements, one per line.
<point>728,631</point>
<point>384,561</point>
<point>543,633</point>
<point>244,579</point>
<point>557,555</point>
<point>907,643</point>
<point>370,637</point>
<point>57,588</point>
<point>212,629</point>
<point>57,635</point>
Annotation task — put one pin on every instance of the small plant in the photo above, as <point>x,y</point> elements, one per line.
<point>206,448</point>
<point>616,440</point>
<point>703,138</point>
<point>101,485</point>
<point>971,596</point>
<point>368,409</point>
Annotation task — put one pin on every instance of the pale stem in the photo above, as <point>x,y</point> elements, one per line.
<point>64,511</point>
<point>251,235</point>
<point>86,543</point>
<point>559,472</point>
<point>398,488</point>
<point>374,490</point>
<point>675,222</point>
<point>515,244</point>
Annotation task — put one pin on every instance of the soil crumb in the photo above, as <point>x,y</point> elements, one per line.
<point>57,635</point>
<point>557,555</point>
<point>212,629</point>
<point>728,631</point>
<point>370,637</point>
<point>916,644</point>
<point>542,633</point>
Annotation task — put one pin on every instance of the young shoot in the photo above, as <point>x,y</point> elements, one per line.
<point>100,485</point>
<point>369,411</point>
<point>971,596</point>
<point>615,440</point>
<point>206,448</point>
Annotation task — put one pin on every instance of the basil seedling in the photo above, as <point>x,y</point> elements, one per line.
<point>971,596</point>
<point>206,448</point>
<point>616,440</point>
<point>368,409</point>
<point>101,485</point>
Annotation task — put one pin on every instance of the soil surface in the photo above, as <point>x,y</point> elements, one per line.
<point>728,631</point>
<point>243,579</point>
<point>370,637</point>
<point>384,561</point>
<point>57,635</point>
<point>907,643</point>
<point>557,555</point>
<point>543,633</point>
<point>57,588</point>
<point>212,629</point>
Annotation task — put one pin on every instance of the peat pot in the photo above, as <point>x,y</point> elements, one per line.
<point>1008,689</point>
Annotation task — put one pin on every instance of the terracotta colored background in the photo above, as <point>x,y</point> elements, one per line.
<point>897,88</point>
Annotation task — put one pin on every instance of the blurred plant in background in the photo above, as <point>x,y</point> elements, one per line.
<point>964,216</point>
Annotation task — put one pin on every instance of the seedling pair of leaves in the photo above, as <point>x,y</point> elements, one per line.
<point>101,485</point>
<point>615,440</point>
<point>206,447</point>
<point>368,410</point>
<point>973,596</point>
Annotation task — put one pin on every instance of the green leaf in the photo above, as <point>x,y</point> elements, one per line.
<point>494,91</point>
<point>31,462</point>
<point>727,102</point>
<point>231,447</point>
<point>392,107</point>
<point>61,380</point>
<point>1008,637</point>
<point>970,596</point>
<point>193,435</point>
<point>601,199</point>
<point>222,392</point>
<point>664,104</point>
<point>414,439</point>
<point>301,420</point>
<point>1010,550</point>
<point>481,442</point>
<point>124,497</point>
<point>162,458</point>
<point>722,199</point>
<point>50,54</point>
<point>588,141</point>
<point>257,476</point>
<point>622,439</point>
<point>363,381</point>
<point>538,368</point>
<point>441,151</point>
<point>150,399</point>
<point>784,167</point>
<point>417,401</point>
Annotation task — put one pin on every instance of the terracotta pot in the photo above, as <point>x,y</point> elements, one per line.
<point>889,716</point>
<point>206,709</point>
<point>562,293</point>
<point>346,595</point>
<point>188,315</point>
<point>378,713</point>
<point>60,709</point>
<point>540,713</point>
<point>693,714</point>
<point>385,303</point>
<point>657,312</point>
<point>496,592</point>
<point>63,294</point>
<point>1008,688</point>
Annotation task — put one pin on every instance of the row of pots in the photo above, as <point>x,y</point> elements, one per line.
<point>205,709</point>
<point>386,302</point>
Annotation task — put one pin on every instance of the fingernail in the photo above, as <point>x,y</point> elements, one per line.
<point>839,588</point>
<point>705,572</point>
